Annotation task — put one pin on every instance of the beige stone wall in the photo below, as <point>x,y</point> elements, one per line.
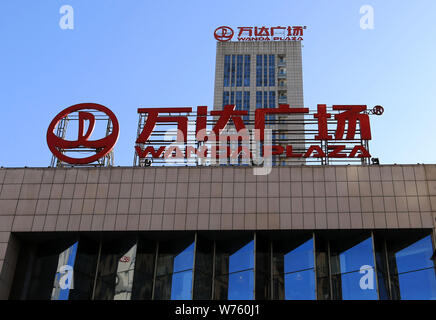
<point>218,198</point>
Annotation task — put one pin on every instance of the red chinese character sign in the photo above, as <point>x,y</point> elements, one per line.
<point>96,149</point>
<point>341,133</point>
<point>262,33</point>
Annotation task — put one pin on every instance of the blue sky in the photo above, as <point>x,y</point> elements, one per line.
<point>142,53</point>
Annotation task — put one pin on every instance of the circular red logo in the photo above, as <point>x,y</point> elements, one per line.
<point>223,33</point>
<point>102,146</point>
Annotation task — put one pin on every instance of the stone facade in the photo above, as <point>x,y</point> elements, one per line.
<point>210,198</point>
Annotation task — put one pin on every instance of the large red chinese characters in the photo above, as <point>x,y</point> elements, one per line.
<point>349,120</point>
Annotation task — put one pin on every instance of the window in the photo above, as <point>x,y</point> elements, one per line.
<point>226,70</point>
<point>238,100</point>
<point>272,104</point>
<point>352,263</point>
<point>225,98</point>
<point>294,269</point>
<point>272,75</point>
<point>258,70</point>
<point>239,70</point>
<point>144,270</point>
<point>265,70</point>
<point>412,270</point>
<point>233,71</point>
<point>65,272</point>
<point>247,70</point>
<point>265,99</point>
<point>116,269</point>
<point>55,270</point>
<point>258,99</point>
<point>174,271</point>
<point>234,270</point>
<point>246,106</point>
<point>279,264</point>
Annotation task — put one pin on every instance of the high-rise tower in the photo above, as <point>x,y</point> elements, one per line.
<point>263,74</point>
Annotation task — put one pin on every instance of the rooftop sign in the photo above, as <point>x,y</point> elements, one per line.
<point>341,133</point>
<point>278,33</point>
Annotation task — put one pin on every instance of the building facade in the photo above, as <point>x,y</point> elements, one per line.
<point>264,74</point>
<point>300,232</point>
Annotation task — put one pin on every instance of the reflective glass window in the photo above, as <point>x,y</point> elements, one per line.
<point>226,70</point>
<point>60,268</point>
<point>247,70</point>
<point>65,272</point>
<point>238,104</point>
<point>272,104</point>
<point>233,71</point>
<point>204,257</point>
<point>258,99</point>
<point>239,65</point>
<point>174,270</point>
<point>412,268</point>
<point>258,70</point>
<point>144,270</point>
<point>226,98</point>
<point>294,269</point>
<point>246,106</point>
<point>272,74</point>
<point>352,263</point>
<point>116,269</point>
<point>265,99</point>
<point>265,70</point>
<point>234,270</point>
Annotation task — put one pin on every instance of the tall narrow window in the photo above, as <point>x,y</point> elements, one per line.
<point>294,269</point>
<point>272,74</point>
<point>247,70</point>
<point>238,100</point>
<point>259,70</point>
<point>265,70</point>
<point>241,273</point>
<point>232,98</point>
<point>116,269</point>
<point>64,276</point>
<point>234,269</point>
<point>226,70</point>
<point>265,99</point>
<point>246,105</point>
<point>412,269</point>
<point>226,98</point>
<point>272,104</point>
<point>258,99</point>
<point>174,271</point>
<point>233,71</point>
<point>144,270</point>
<point>239,65</point>
<point>352,268</point>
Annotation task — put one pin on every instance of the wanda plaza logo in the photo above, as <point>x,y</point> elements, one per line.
<point>102,147</point>
<point>211,141</point>
<point>279,33</point>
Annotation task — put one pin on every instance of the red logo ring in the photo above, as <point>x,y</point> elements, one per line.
<point>226,33</point>
<point>105,145</point>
